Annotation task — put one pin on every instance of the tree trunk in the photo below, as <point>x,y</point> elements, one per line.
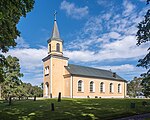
<point>0,92</point>
<point>34,98</point>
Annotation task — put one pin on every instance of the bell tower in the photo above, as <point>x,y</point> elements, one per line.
<point>55,44</point>
<point>54,65</point>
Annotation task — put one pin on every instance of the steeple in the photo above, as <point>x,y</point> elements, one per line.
<point>55,44</point>
<point>55,32</point>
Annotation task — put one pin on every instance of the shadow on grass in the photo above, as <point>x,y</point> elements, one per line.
<point>70,109</point>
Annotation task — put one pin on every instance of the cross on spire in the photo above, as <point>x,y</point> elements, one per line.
<point>55,13</point>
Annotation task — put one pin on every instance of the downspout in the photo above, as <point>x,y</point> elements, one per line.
<point>71,87</point>
<point>124,89</point>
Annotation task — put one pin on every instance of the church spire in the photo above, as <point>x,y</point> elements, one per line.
<point>55,44</point>
<point>55,32</point>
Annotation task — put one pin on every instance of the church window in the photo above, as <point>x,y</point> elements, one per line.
<point>46,88</point>
<point>80,86</point>
<point>111,88</point>
<point>46,70</point>
<point>91,86</point>
<point>119,88</point>
<point>49,47</point>
<point>102,89</point>
<point>58,47</point>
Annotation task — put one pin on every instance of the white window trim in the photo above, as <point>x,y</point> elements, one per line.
<point>46,70</point>
<point>93,86</point>
<point>112,88</point>
<point>103,87</point>
<point>82,89</point>
<point>82,85</point>
<point>119,88</point>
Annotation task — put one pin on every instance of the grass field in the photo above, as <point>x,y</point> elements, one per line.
<point>71,109</point>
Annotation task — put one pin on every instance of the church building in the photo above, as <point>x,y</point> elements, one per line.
<point>75,81</point>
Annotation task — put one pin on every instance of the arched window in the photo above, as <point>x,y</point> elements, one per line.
<point>91,86</point>
<point>49,47</point>
<point>102,87</point>
<point>111,88</point>
<point>119,88</point>
<point>80,85</point>
<point>46,89</point>
<point>58,47</point>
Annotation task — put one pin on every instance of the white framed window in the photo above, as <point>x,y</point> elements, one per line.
<point>92,86</point>
<point>111,88</point>
<point>80,86</point>
<point>119,88</point>
<point>102,87</point>
<point>46,70</point>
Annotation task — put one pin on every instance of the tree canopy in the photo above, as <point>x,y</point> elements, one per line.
<point>143,36</point>
<point>11,79</point>
<point>12,85</point>
<point>10,13</point>
<point>134,87</point>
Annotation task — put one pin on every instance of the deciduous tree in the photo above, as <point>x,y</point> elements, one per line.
<point>143,36</point>
<point>134,87</point>
<point>12,78</point>
<point>10,13</point>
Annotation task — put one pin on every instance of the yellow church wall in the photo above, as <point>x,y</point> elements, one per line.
<point>58,71</point>
<point>67,86</point>
<point>46,77</point>
<point>97,92</point>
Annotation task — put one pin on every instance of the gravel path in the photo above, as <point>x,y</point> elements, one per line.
<point>136,117</point>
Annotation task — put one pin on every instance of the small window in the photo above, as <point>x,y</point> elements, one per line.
<point>111,87</point>
<point>49,47</point>
<point>46,70</point>
<point>101,87</point>
<point>80,86</point>
<point>58,47</point>
<point>91,86</point>
<point>119,88</point>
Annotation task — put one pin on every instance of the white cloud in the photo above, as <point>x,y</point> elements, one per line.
<point>31,63</point>
<point>122,68</point>
<point>21,43</point>
<point>127,71</point>
<point>142,1</point>
<point>77,56</point>
<point>128,6</point>
<point>124,48</point>
<point>74,11</point>
<point>30,58</point>
<point>114,35</point>
<point>112,39</point>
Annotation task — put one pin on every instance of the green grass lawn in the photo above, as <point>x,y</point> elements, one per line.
<point>71,109</point>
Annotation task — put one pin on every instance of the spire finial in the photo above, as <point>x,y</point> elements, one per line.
<point>55,13</point>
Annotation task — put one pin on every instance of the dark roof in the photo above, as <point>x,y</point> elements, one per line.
<point>55,33</point>
<point>55,56</point>
<point>92,72</point>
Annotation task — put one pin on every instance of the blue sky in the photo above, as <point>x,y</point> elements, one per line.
<point>96,33</point>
